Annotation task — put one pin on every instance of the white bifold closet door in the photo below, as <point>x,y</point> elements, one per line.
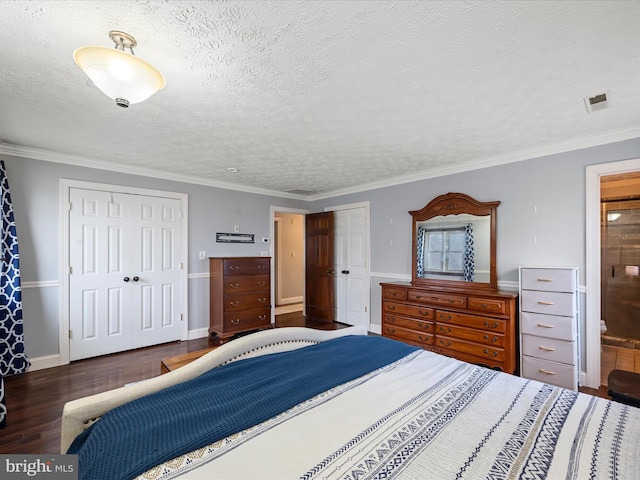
<point>125,279</point>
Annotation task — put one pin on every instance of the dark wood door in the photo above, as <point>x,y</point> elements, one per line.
<point>319,288</point>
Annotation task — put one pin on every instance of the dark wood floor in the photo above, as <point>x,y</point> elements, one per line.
<point>35,399</point>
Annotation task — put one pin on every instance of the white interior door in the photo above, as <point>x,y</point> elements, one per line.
<point>351,268</point>
<point>125,279</point>
<point>155,270</point>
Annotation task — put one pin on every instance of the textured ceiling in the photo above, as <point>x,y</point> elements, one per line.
<point>323,96</point>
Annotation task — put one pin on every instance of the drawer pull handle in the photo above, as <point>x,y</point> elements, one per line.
<point>541,302</point>
<point>424,313</point>
<point>451,300</point>
<point>544,325</point>
<point>418,297</point>
<point>391,330</point>
<point>235,268</point>
<point>493,354</point>
<point>391,307</point>
<point>548,372</point>
<point>545,279</point>
<point>236,321</point>
<point>547,349</point>
<point>486,324</point>
<point>425,326</point>
<point>235,304</point>
<point>493,340</point>
<point>443,330</point>
<point>423,338</point>
<point>445,344</point>
<point>445,317</point>
<point>234,285</point>
<point>484,305</point>
<point>262,317</point>
<point>262,283</point>
<point>261,267</point>
<point>262,300</point>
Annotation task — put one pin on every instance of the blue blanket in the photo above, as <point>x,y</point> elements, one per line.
<point>130,439</point>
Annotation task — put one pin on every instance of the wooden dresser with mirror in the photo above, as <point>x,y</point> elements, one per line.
<point>452,305</point>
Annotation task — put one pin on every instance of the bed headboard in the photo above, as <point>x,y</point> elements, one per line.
<point>78,414</point>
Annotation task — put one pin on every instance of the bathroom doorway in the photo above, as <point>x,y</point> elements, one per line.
<point>620,272</point>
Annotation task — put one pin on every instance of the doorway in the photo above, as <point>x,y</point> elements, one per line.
<point>286,300</point>
<point>620,275</point>
<point>592,345</point>
<point>288,259</point>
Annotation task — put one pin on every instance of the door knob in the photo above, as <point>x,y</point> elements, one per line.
<point>126,279</point>
<point>346,272</point>
<point>135,279</point>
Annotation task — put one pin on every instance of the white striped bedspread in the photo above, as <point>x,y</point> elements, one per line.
<point>430,417</point>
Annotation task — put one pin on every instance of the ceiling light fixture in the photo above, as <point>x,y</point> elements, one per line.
<point>121,76</point>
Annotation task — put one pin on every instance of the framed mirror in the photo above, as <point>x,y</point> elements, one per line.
<point>454,243</point>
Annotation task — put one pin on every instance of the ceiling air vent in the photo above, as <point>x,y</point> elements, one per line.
<point>299,191</point>
<point>597,102</point>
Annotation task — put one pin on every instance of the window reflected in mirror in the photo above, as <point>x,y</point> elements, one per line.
<point>454,247</point>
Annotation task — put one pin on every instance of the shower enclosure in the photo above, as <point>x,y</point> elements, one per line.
<point>620,274</point>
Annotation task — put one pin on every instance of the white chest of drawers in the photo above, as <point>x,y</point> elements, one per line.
<point>549,312</point>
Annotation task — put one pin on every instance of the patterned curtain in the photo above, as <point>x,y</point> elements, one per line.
<point>469,263</point>
<point>420,253</point>
<point>12,357</point>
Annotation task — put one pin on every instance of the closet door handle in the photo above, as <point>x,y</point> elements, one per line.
<point>135,279</point>
<point>126,279</point>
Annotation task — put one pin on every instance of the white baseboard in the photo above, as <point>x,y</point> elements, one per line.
<point>47,361</point>
<point>198,333</point>
<point>288,300</point>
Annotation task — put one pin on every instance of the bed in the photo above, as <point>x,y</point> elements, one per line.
<point>303,403</point>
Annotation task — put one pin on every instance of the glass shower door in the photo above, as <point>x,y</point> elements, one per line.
<point>621,268</point>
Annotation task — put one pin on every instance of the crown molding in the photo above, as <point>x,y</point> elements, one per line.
<point>562,147</point>
<point>80,161</point>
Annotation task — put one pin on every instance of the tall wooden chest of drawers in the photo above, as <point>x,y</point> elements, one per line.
<point>239,295</point>
<point>549,309</point>
<point>474,326</point>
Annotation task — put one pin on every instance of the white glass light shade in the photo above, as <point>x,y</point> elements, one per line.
<point>118,74</point>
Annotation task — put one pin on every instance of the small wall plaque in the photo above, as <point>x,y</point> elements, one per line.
<point>235,237</point>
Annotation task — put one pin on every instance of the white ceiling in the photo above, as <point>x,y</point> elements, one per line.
<point>322,96</point>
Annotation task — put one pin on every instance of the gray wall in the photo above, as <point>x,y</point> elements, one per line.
<point>541,221</point>
<point>34,191</point>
